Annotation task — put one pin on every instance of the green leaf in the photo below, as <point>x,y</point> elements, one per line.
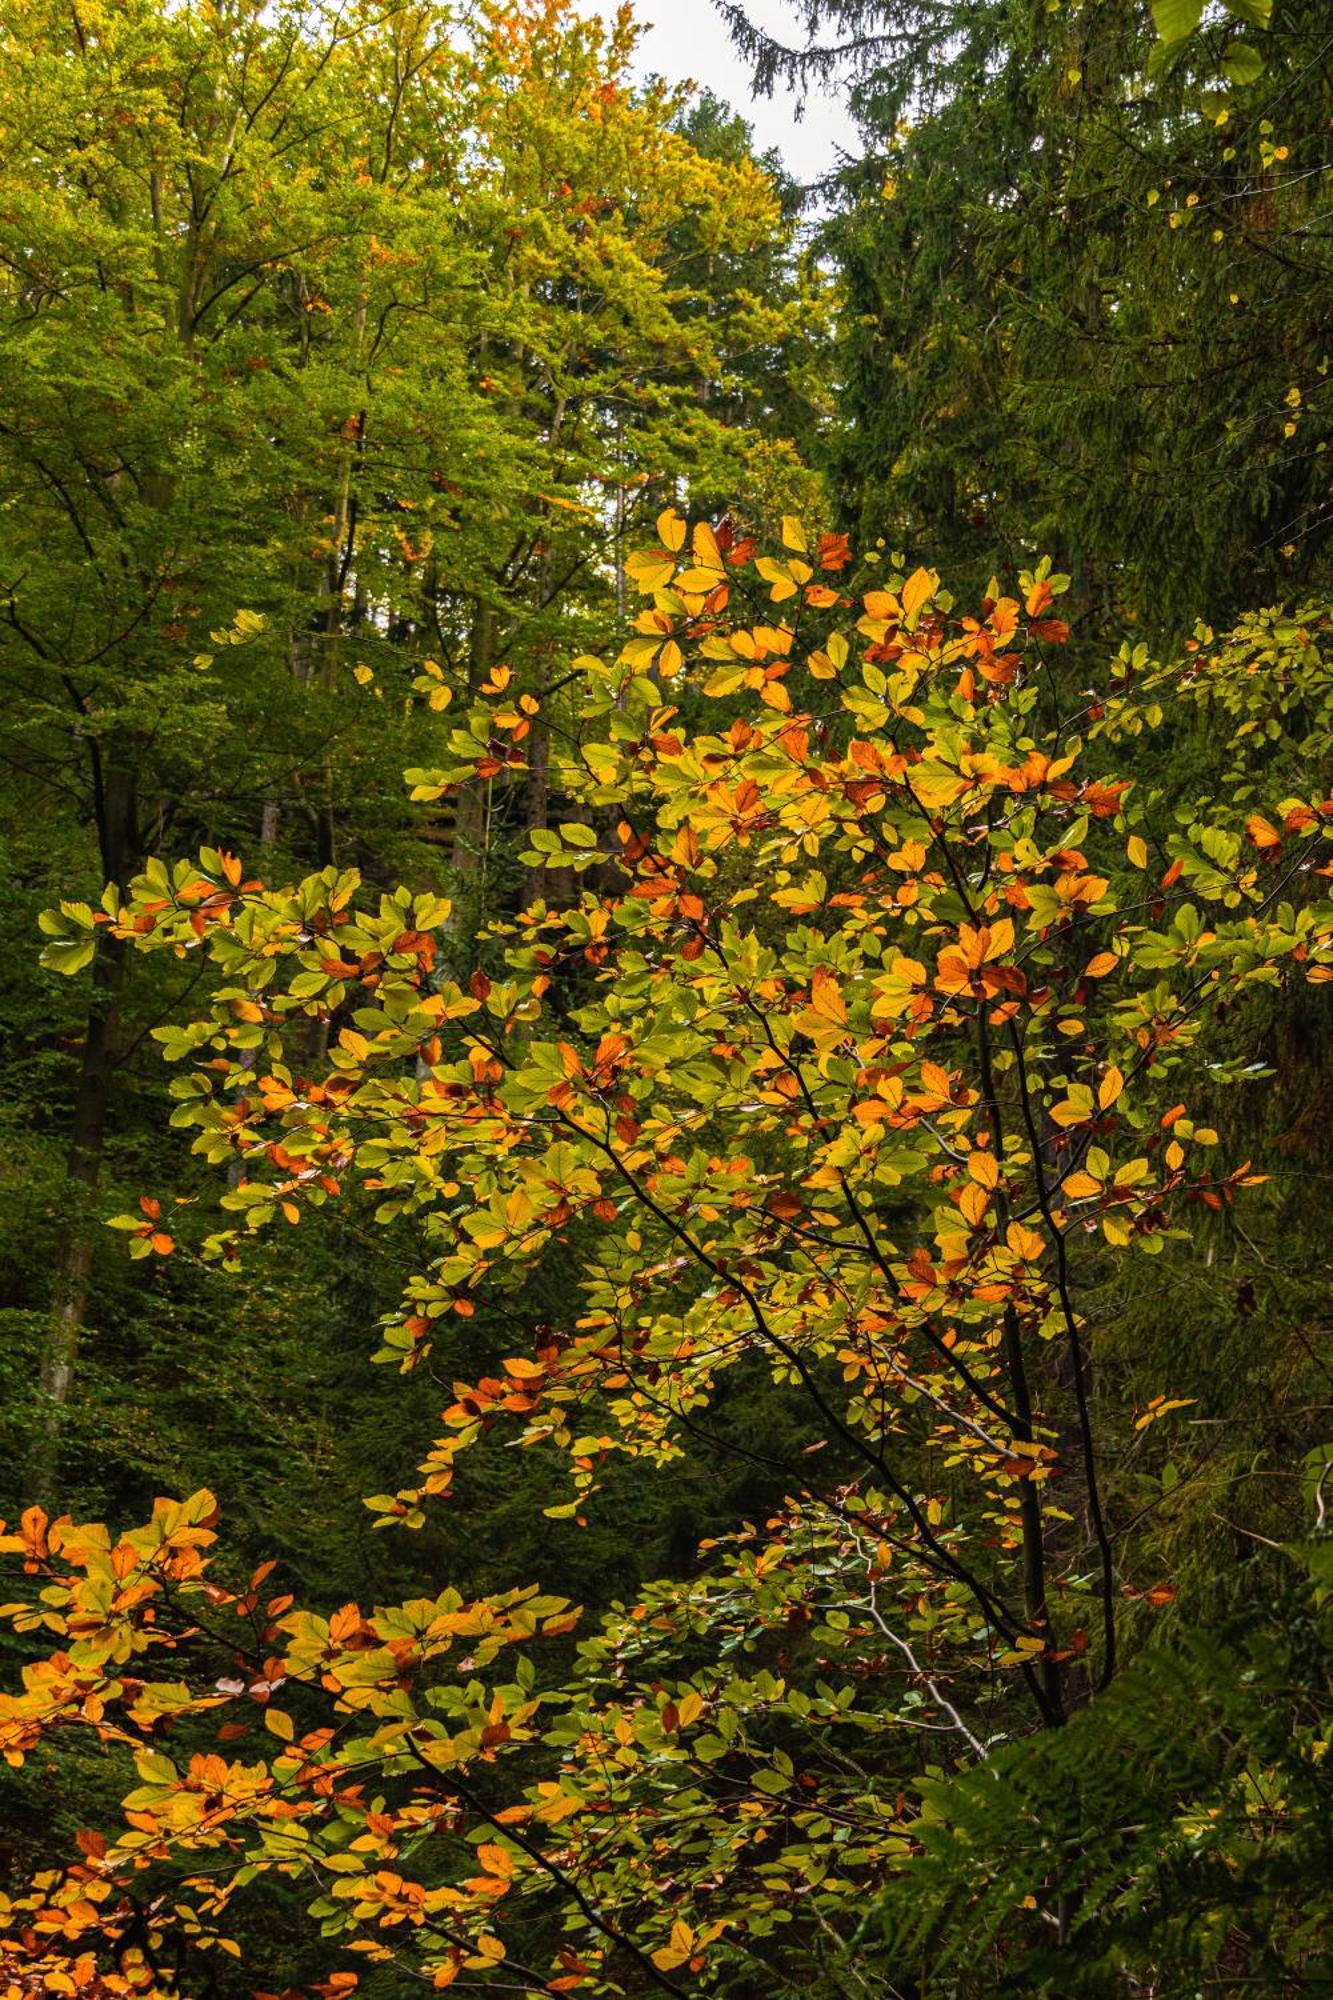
<point>1242,64</point>
<point>1175,19</point>
<point>68,956</point>
<point>1254,13</point>
<point>154,1769</point>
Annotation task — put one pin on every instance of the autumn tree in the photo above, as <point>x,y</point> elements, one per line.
<point>869,1062</point>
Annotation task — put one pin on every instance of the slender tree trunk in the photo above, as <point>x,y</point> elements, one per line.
<point>469,843</point>
<point>114,787</point>
<point>83,1172</point>
<point>539,772</point>
<point>338,570</point>
<point>268,834</point>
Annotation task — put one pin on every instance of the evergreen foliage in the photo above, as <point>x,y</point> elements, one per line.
<point>1177,1837</point>
<point>1086,298</point>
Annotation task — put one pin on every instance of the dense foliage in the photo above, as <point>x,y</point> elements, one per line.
<point>709,1075</point>
<point>1086,276</point>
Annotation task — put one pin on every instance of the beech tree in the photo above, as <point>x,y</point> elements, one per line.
<point>868,1059</point>
<point>362,321</point>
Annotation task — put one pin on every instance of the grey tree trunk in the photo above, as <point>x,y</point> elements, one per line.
<point>117,833</point>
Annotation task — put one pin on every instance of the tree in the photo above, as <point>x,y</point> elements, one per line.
<point>1084,295</point>
<point>866,1065</point>
<point>352,320</point>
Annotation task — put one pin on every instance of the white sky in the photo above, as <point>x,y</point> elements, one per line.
<point>686,39</point>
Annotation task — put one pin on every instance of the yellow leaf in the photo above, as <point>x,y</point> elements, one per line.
<point>668,1956</point>
<point>1110,1088</point>
<point>524,1370</point>
<point>1098,967</point>
<point>1136,847</point>
<point>935,785</point>
<point>705,545</point>
<point>793,534</point>
<point>973,1201</point>
<point>1161,1406</point>
<point>779,576</point>
<point>826,998</point>
<point>671,530</point>
<point>918,590</point>
<point>649,572</point>
<point>570,506</point>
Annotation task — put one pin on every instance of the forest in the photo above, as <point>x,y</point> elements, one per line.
<point>665,1262</point>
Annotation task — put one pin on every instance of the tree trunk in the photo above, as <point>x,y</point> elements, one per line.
<point>114,790</point>
<point>468,853</point>
<point>83,1170</point>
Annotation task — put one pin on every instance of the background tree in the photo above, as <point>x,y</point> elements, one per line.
<point>1086,294</point>
<point>355,322</point>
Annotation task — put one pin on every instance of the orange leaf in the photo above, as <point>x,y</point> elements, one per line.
<point>826,998</point>
<point>1261,833</point>
<point>1024,1242</point>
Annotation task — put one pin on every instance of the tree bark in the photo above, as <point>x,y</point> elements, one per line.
<point>115,803</point>
<point>470,830</point>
